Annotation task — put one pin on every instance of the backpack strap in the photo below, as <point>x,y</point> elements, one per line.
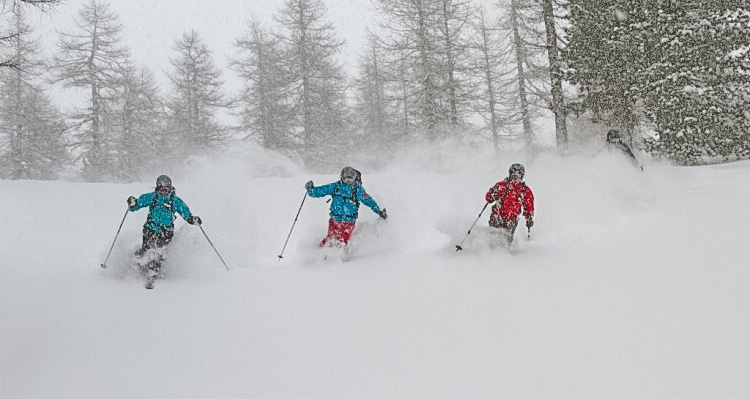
<point>353,197</point>
<point>169,205</point>
<point>507,190</point>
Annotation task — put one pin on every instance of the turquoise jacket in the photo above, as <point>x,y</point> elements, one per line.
<point>346,200</point>
<point>161,215</point>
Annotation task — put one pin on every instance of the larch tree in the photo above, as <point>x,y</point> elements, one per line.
<point>196,97</point>
<point>264,107</point>
<point>32,130</point>
<point>7,34</point>
<point>317,84</point>
<point>92,59</point>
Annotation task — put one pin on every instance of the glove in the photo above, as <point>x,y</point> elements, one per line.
<point>194,220</point>
<point>132,201</point>
<point>309,185</point>
<point>382,214</point>
<point>529,221</point>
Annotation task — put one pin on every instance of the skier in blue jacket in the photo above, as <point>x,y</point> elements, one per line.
<point>347,194</point>
<point>159,227</point>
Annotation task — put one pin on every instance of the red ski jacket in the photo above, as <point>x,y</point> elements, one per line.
<point>518,194</point>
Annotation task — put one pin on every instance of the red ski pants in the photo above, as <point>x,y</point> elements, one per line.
<point>338,232</point>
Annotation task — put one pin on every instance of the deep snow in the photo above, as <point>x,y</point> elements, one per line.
<point>633,285</point>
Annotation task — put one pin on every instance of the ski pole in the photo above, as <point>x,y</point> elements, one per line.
<point>104,265</point>
<point>459,246</point>
<point>295,222</point>
<point>528,234</point>
<point>212,246</point>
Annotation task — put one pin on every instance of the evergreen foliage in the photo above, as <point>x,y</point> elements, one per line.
<point>680,68</point>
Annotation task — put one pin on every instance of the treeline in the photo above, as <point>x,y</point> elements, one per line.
<point>673,75</point>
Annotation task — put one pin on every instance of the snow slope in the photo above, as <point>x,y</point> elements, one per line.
<point>633,285</point>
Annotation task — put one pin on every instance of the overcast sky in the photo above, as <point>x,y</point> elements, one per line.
<point>151,27</point>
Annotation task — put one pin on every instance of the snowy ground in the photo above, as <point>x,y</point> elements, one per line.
<point>633,285</point>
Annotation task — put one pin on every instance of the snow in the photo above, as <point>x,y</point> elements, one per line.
<point>633,285</point>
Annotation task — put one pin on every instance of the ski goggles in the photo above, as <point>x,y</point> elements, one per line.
<point>164,190</point>
<point>347,179</point>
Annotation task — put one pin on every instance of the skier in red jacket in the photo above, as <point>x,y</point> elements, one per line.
<point>509,196</point>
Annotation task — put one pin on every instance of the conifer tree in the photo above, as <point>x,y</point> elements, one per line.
<point>32,142</point>
<point>92,59</point>
<point>197,96</point>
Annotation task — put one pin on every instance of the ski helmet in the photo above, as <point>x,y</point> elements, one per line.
<point>517,169</point>
<point>351,174</point>
<point>163,181</point>
<point>613,136</point>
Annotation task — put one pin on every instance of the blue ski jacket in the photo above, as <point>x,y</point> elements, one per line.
<point>346,200</point>
<point>161,213</point>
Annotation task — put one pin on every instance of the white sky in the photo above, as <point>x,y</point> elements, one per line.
<point>151,27</point>
<point>633,285</point>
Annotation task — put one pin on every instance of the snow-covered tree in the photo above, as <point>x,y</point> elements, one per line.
<point>7,34</point>
<point>138,116</point>
<point>317,84</point>
<point>698,91</point>
<point>32,142</point>
<point>92,59</point>
<point>197,96</point>
<point>264,107</point>
<point>682,67</point>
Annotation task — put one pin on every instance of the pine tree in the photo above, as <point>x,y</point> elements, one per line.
<point>699,89</point>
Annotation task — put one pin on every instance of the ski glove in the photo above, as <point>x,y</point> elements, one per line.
<point>194,220</point>
<point>382,214</point>
<point>529,221</point>
<point>309,185</point>
<point>132,201</point>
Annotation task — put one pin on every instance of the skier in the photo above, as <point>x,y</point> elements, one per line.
<point>347,194</point>
<point>159,227</point>
<point>614,141</point>
<point>509,196</point>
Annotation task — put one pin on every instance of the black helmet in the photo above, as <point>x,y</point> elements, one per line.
<point>351,174</point>
<point>613,136</point>
<point>163,181</point>
<point>517,169</point>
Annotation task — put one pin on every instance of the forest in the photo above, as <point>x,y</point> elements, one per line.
<point>673,76</point>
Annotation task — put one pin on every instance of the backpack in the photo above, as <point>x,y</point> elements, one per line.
<point>168,205</point>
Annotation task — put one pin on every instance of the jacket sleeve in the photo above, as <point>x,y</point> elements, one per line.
<point>495,192</point>
<point>143,201</point>
<point>181,207</point>
<point>365,198</point>
<point>528,202</point>
<point>321,191</point>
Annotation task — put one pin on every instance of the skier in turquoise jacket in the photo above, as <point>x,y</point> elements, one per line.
<point>347,194</point>
<point>163,203</point>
